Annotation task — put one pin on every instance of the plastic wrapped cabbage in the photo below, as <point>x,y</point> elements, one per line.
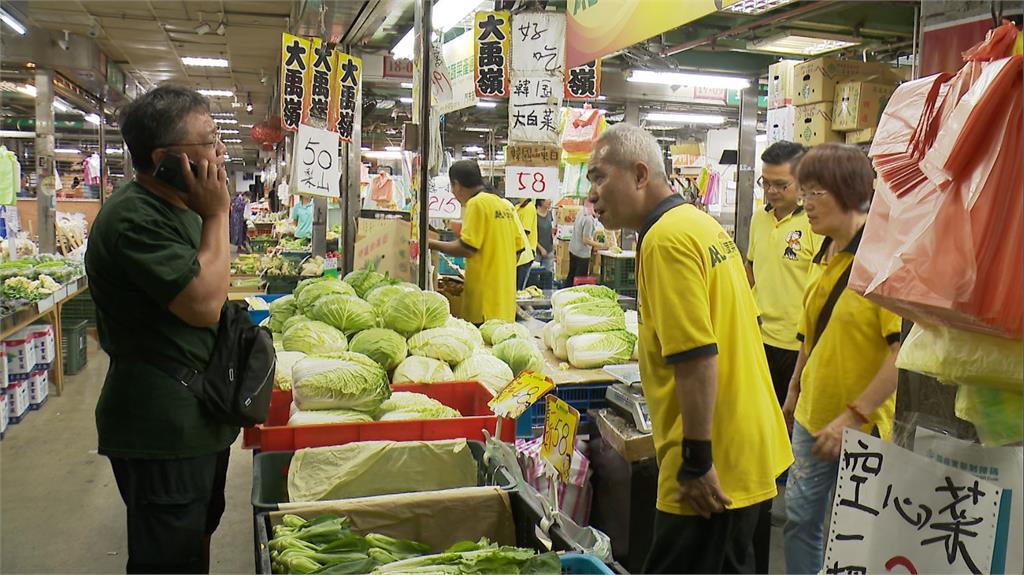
<point>494,373</point>
<point>520,355</point>
<point>388,348</point>
<point>417,369</point>
<point>281,309</point>
<point>312,337</point>
<point>592,316</point>
<point>446,344</point>
<point>345,312</point>
<point>564,297</point>
<point>293,321</point>
<point>632,320</point>
<point>383,293</point>
<point>593,350</point>
<point>404,405</point>
<point>415,312</point>
<point>471,330</point>
<point>301,417</point>
<point>488,327</point>
<point>314,292</point>
<point>302,285</point>
<point>508,331</point>
<point>364,280</point>
<point>286,360</point>
<point>344,380</point>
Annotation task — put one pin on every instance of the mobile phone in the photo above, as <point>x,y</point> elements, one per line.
<point>169,172</point>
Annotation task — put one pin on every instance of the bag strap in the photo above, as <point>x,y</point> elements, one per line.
<point>830,305</point>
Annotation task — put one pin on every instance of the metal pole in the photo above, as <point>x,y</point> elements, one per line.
<point>913,49</point>
<point>351,202</point>
<point>424,28</point>
<point>745,167</point>
<point>103,151</point>
<point>46,166</point>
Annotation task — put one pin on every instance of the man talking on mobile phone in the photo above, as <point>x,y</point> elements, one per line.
<point>158,263</point>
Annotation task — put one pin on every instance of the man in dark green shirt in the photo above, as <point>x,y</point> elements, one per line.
<point>158,265</point>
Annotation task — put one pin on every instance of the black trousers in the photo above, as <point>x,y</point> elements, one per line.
<point>781,364</point>
<point>692,544</point>
<point>173,506</point>
<point>578,267</point>
<point>522,274</point>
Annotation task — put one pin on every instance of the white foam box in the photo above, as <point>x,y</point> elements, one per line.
<point>17,399</point>
<point>38,387</point>
<point>780,124</point>
<point>45,342</point>
<point>3,413</point>
<point>21,353</point>
<point>781,83</point>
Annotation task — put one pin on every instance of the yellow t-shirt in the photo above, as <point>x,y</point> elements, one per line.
<point>527,211</point>
<point>489,225</point>
<point>781,251</point>
<point>694,300</point>
<point>850,351</point>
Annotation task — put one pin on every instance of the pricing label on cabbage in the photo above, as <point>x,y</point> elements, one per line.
<point>560,423</point>
<point>520,394</point>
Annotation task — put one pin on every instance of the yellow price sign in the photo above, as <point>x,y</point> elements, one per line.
<point>560,423</point>
<point>520,394</point>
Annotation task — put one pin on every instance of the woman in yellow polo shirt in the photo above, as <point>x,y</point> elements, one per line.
<point>846,370</point>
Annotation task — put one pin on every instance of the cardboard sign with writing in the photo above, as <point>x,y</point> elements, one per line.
<point>492,50</point>
<point>441,203</point>
<point>384,244</point>
<point>560,423</point>
<point>534,109</point>
<point>896,510</point>
<point>538,42</point>
<point>441,89</point>
<point>315,163</point>
<point>533,155</point>
<point>296,77</point>
<point>520,394</point>
<point>534,183</point>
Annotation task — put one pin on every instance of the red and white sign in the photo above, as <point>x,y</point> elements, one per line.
<point>441,203</point>
<point>533,183</point>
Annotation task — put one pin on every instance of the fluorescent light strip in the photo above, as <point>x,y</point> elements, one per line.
<point>92,119</point>
<point>228,131</point>
<point>28,90</point>
<point>12,22</point>
<point>216,93</point>
<point>205,62</point>
<point>685,79</point>
<point>232,141</point>
<point>477,129</point>
<point>444,15</point>
<point>755,7</point>
<point>407,85</point>
<point>685,118</point>
<point>225,120</point>
<point>802,45</point>
<point>405,100</point>
<point>114,151</point>
<point>379,155</point>
<point>392,148</point>
<point>486,104</point>
<point>67,151</point>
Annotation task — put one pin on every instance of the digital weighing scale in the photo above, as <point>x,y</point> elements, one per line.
<point>628,397</point>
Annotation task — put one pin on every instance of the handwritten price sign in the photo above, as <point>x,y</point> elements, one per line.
<point>533,183</point>
<point>315,163</point>
<point>560,423</point>
<point>520,394</point>
<point>441,203</point>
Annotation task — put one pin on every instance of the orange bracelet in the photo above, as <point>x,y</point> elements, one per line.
<point>860,414</point>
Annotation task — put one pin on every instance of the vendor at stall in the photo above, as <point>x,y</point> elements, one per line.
<point>491,241</point>
<point>582,245</point>
<point>302,217</point>
<point>719,435</point>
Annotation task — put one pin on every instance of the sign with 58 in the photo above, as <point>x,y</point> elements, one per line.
<point>520,394</point>
<point>560,423</point>
<point>533,183</point>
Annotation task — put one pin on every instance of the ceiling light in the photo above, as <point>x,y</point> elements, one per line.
<point>61,105</point>
<point>444,15</point>
<point>225,120</point>
<point>364,149</point>
<point>486,104</point>
<point>114,151</point>
<point>223,114</point>
<point>92,119</point>
<point>67,151</point>
<point>12,22</point>
<point>248,103</point>
<point>755,7</point>
<point>476,129</point>
<point>665,139</point>
<point>407,85</point>
<point>216,93</point>
<point>28,90</point>
<point>232,141</point>
<point>803,44</point>
<point>228,131</point>
<point>405,100</point>
<point>685,118</point>
<point>245,125</point>
<point>685,79</point>
<point>379,155</point>
<point>205,62</point>
<point>472,149</point>
<point>236,104</point>
<point>761,138</point>
<point>392,148</point>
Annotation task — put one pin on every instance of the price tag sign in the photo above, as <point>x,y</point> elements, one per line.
<point>520,394</point>
<point>533,183</point>
<point>560,423</point>
<point>441,203</point>
<point>315,163</point>
<point>331,267</point>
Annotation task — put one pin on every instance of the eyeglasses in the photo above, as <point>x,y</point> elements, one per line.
<point>780,186</point>
<point>811,196</point>
<point>216,140</point>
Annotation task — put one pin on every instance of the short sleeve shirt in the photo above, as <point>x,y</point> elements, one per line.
<point>142,253</point>
<point>302,215</point>
<point>528,217</point>
<point>490,226</point>
<point>694,301</point>
<point>582,228</point>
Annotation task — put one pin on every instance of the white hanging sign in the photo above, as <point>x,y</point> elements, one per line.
<point>534,109</point>
<point>315,163</point>
<point>441,203</point>
<point>532,182</point>
<point>538,42</point>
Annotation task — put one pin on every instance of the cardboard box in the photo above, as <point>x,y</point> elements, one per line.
<point>814,125</point>
<point>17,399</point>
<point>780,124</point>
<point>561,259</point>
<point>384,244</point>
<point>858,103</point>
<point>623,435</point>
<point>815,80</point>
<point>864,136</point>
<point>781,84</point>
<point>566,215</point>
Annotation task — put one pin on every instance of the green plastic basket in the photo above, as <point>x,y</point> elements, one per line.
<point>74,346</point>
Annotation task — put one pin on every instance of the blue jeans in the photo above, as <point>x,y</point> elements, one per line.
<point>809,490</point>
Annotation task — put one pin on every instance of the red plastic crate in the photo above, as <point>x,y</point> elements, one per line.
<point>468,397</point>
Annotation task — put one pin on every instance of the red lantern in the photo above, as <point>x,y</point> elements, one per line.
<point>268,131</point>
<point>267,146</point>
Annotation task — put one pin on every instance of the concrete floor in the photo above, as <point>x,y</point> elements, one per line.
<point>61,512</point>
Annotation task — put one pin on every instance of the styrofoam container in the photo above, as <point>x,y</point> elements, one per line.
<point>21,353</point>
<point>45,343</point>
<point>38,388</point>
<point>17,401</point>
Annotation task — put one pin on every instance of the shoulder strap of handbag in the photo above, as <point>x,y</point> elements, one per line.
<point>830,304</point>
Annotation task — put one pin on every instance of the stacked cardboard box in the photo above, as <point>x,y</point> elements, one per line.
<point>817,85</point>
<point>859,103</point>
<point>781,111</point>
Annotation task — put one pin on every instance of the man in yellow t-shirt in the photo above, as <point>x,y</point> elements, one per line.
<point>719,435</point>
<point>527,211</point>
<point>490,241</point>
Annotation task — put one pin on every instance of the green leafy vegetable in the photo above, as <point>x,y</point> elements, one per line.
<point>415,312</point>
<point>286,360</point>
<point>380,295</point>
<point>494,373</point>
<point>508,331</point>
<point>364,280</point>
<point>445,344</point>
<point>418,369</point>
<point>488,327</point>
<point>345,312</point>
<point>342,380</point>
<point>591,350</point>
<point>312,337</point>
<point>592,316</point>
<point>469,329</point>
<point>520,355</point>
<point>403,405</point>
<point>310,295</point>
<point>281,309</point>
<point>386,347</point>
<point>293,321</point>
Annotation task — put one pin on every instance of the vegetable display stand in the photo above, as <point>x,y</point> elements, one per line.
<point>295,257</point>
<point>468,397</point>
<point>582,397</point>
<point>74,346</point>
<point>282,284</point>
<point>270,478</point>
<point>261,245</point>
<point>618,271</point>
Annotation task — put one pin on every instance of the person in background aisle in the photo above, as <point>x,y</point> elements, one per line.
<point>719,435</point>
<point>238,231</point>
<point>778,264</point>
<point>157,262</point>
<point>527,212</point>
<point>302,216</point>
<point>491,241</point>
<point>582,245</point>
<point>545,236</point>
<point>846,370</point>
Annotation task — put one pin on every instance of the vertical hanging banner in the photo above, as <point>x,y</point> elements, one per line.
<point>534,109</point>
<point>315,169</point>
<point>441,89</point>
<point>583,82</point>
<point>538,70</point>
<point>458,54</point>
<point>322,93</point>
<point>538,43</point>
<point>491,52</point>
<point>350,74</point>
<point>295,79</point>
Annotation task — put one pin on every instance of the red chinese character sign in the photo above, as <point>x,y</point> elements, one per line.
<point>350,74</point>
<point>896,511</point>
<point>583,82</point>
<point>296,76</point>
<point>491,53</point>
<point>315,170</point>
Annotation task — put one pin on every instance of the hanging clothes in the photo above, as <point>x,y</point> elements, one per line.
<point>91,169</point>
<point>10,177</point>
<point>382,190</point>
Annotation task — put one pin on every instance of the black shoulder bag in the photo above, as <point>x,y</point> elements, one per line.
<point>830,304</point>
